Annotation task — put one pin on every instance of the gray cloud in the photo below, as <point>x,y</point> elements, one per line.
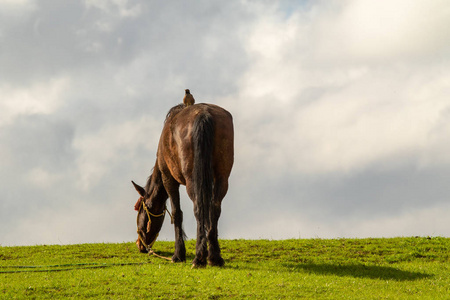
<point>38,141</point>
<point>340,110</point>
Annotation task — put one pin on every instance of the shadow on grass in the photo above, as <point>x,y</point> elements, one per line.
<point>359,271</point>
<point>63,267</point>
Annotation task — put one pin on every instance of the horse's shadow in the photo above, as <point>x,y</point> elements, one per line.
<point>358,271</point>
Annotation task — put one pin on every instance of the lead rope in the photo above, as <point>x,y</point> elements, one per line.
<point>149,215</point>
<point>151,252</point>
<point>171,217</point>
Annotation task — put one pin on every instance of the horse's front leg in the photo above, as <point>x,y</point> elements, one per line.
<point>172,188</point>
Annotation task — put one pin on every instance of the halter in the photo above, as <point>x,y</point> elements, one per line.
<point>150,215</point>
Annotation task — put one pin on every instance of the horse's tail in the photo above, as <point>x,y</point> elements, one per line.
<point>203,142</point>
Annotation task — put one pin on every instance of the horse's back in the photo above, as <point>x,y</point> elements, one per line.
<point>220,115</point>
<point>178,147</point>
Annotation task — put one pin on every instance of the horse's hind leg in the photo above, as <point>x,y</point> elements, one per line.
<point>172,188</point>
<point>201,248</point>
<point>220,190</point>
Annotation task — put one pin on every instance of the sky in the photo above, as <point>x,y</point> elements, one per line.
<point>341,113</point>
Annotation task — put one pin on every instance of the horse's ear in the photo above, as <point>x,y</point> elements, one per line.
<point>139,189</point>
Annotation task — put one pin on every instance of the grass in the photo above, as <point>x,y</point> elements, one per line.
<point>394,268</point>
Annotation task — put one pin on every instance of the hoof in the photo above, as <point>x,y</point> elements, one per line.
<point>217,262</point>
<point>198,264</point>
<point>176,259</point>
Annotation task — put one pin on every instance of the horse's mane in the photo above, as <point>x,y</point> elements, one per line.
<point>148,184</point>
<point>174,110</point>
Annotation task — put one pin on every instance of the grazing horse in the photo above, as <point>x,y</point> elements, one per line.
<point>195,150</point>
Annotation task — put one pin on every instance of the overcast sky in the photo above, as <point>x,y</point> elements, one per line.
<point>341,112</point>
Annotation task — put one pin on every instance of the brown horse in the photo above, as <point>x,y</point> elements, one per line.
<point>195,150</point>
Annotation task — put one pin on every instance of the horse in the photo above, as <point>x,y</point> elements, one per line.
<point>196,150</point>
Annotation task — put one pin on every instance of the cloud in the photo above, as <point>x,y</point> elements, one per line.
<point>113,145</point>
<point>75,222</point>
<point>40,98</point>
<point>16,6</point>
<point>340,110</point>
<point>121,8</point>
<point>430,221</point>
<point>370,31</point>
<point>339,132</point>
<point>333,110</point>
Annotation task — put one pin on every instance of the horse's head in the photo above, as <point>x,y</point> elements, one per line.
<point>149,219</point>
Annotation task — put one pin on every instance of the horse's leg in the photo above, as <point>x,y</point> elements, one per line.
<point>220,190</point>
<point>172,188</point>
<point>201,248</point>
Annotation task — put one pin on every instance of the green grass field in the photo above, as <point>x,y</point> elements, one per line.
<point>394,268</point>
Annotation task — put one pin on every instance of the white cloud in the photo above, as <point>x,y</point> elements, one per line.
<point>12,6</point>
<point>42,178</point>
<point>325,103</point>
<point>40,98</point>
<point>370,120</point>
<point>122,8</point>
<point>376,31</point>
<point>113,145</point>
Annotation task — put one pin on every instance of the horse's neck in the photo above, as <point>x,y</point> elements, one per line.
<point>157,186</point>
<point>156,176</point>
<point>154,180</point>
